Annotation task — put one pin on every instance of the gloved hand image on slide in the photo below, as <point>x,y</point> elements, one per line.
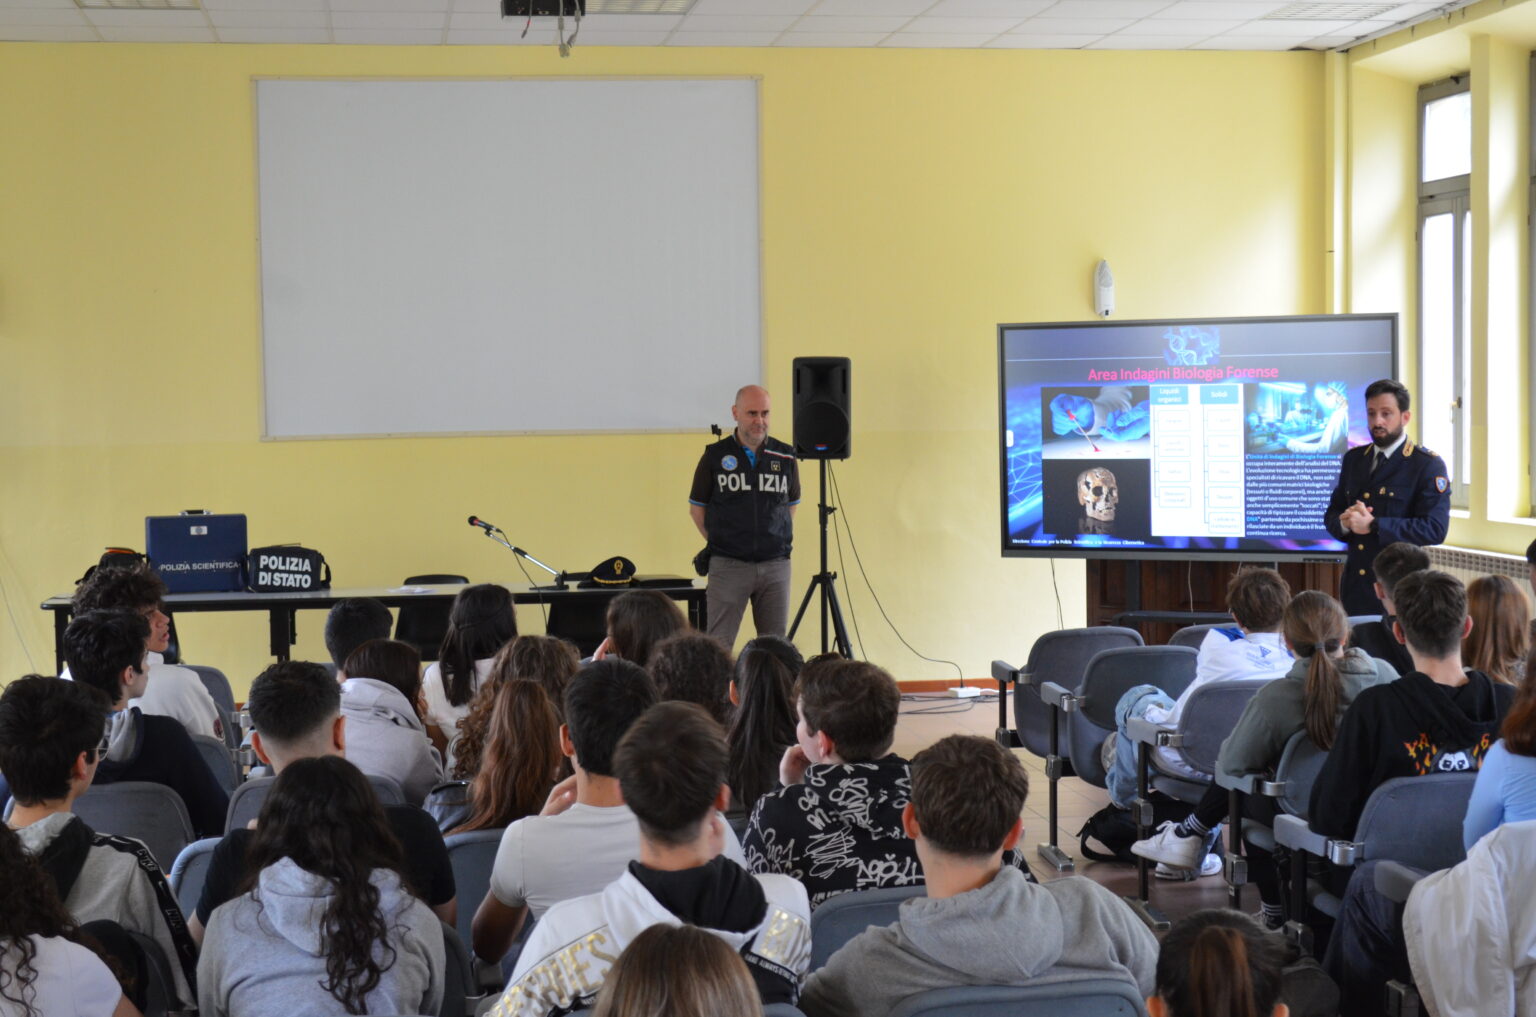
<point>1101,422</point>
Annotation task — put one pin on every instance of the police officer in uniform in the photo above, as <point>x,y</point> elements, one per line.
<point>743,501</point>
<point>1389,490</point>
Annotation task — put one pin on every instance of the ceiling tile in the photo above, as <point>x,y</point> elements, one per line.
<point>1124,41</point>
<point>955,40</point>
<point>987,8</point>
<point>47,33</point>
<point>1247,43</point>
<point>417,20</point>
<point>1369,27</point>
<point>1327,42</point>
<point>722,38</point>
<point>848,39</point>
<point>606,38</point>
<point>63,5</point>
<point>870,8</point>
<point>1015,41</point>
<point>1200,10</point>
<point>44,17</point>
<point>268,19</point>
<point>485,21</point>
<point>1199,29</point>
<point>774,23</point>
<point>962,26</point>
<point>118,33</point>
<point>1105,9</point>
<point>643,23</point>
<point>1072,26</point>
<point>795,7</point>
<point>1309,29</point>
<point>148,19</point>
<point>387,36</point>
<point>389,5</point>
<point>840,26</point>
<point>537,36</point>
<point>277,35</point>
<point>265,6</point>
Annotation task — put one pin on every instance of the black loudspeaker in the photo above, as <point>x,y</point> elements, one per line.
<point>823,407</point>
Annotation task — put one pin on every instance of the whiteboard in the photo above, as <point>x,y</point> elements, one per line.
<point>506,255</point>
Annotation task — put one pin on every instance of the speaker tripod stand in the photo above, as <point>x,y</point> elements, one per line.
<point>826,582</point>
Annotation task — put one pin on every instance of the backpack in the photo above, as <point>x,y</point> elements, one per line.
<point>1115,829</point>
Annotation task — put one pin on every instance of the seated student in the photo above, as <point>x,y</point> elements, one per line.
<point>105,651</point>
<point>1393,563</point>
<point>295,710</point>
<point>637,621</point>
<point>1218,963</point>
<point>521,762</point>
<point>175,692</point>
<point>836,825</point>
<point>1256,599</point>
<point>480,623</point>
<point>50,731</point>
<point>44,968</point>
<point>1505,791</point>
<point>1325,678</point>
<point>325,921</point>
<point>380,689</point>
<point>353,622</point>
<point>1500,636</point>
<point>980,921</point>
<point>690,667</point>
<point>584,818</point>
<point>543,660</point>
<point>1437,718</point>
<point>671,766</point>
<point>763,692</point>
<point>680,971</point>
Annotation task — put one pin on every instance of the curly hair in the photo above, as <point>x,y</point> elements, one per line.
<point>323,814</point>
<point>29,906</point>
<point>545,660</point>
<point>119,589</point>
<point>522,758</point>
<point>480,623</point>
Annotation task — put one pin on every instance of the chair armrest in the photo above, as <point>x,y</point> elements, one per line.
<point>1294,833</point>
<point>1004,674</point>
<point>1140,729</point>
<point>1395,881</point>
<point>1064,700</point>
<point>1251,784</point>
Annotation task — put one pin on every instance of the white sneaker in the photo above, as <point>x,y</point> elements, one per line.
<point>1209,867</point>
<point>1171,849</point>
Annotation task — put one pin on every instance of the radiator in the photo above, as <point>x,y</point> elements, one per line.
<point>1467,564</point>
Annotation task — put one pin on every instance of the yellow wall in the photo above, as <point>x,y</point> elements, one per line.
<point>911,200</point>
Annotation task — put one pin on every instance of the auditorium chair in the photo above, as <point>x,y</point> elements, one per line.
<point>1291,788</point>
<point>190,871</point>
<point>1086,997</point>
<point>1205,722</point>
<point>151,813</point>
<point>843,917</point>
<point>1060,657</point>
<point>425,624</point>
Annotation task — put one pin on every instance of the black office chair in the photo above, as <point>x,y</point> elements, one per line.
<point>424,625</point>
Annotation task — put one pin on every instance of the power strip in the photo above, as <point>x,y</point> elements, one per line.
<point>963,692</point>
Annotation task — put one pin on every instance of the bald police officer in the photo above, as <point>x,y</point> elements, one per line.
<point>1389,490</point>
<point>743,501</point>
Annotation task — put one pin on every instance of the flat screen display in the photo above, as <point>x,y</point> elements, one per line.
<point>1199,438</point>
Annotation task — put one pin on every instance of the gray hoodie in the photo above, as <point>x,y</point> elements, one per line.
<point>1009,932</point>
<point>385,737</point>
<point>263,953</point>
<point>1277,711</point>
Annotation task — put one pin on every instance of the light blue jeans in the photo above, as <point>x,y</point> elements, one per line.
<point>1121,777</point>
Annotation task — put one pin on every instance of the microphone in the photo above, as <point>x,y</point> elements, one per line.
<point>487,527</point>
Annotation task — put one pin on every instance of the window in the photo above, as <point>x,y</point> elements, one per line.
<point>1445,277</point>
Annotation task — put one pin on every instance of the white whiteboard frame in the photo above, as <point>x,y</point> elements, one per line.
<point>260,305</point>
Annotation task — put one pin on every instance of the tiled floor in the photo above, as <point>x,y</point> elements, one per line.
<point>1078,800</point>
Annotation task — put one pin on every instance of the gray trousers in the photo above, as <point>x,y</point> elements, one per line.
<point>732,583</point>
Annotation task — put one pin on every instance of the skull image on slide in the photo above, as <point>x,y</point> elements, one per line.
<point>1098,492</point>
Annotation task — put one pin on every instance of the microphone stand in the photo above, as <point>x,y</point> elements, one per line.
<point>499,535</point>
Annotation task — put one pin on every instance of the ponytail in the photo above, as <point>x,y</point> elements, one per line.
<point>1317,628</point>
<point>1219,963</point>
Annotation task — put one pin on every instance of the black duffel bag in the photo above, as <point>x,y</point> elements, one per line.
<point>286,568</point>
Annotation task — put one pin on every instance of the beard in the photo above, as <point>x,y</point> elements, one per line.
<point>1386,438</point>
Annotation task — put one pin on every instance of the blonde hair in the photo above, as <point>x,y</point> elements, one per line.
<point>1317,628</point>
<point>678,971</point>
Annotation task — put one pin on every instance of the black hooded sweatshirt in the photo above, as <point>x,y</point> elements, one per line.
<point>1407,728</point>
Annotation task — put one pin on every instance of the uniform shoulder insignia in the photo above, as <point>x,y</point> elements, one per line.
<point>1424,451</point>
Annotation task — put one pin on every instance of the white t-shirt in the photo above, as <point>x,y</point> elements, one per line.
<point>178,693</point>
<point>71,981</point>
<point>439,712</point>
<point>1225,655</point>
<point>544,860</point>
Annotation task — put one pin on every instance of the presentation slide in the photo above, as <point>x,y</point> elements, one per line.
<point>1190,438</point>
